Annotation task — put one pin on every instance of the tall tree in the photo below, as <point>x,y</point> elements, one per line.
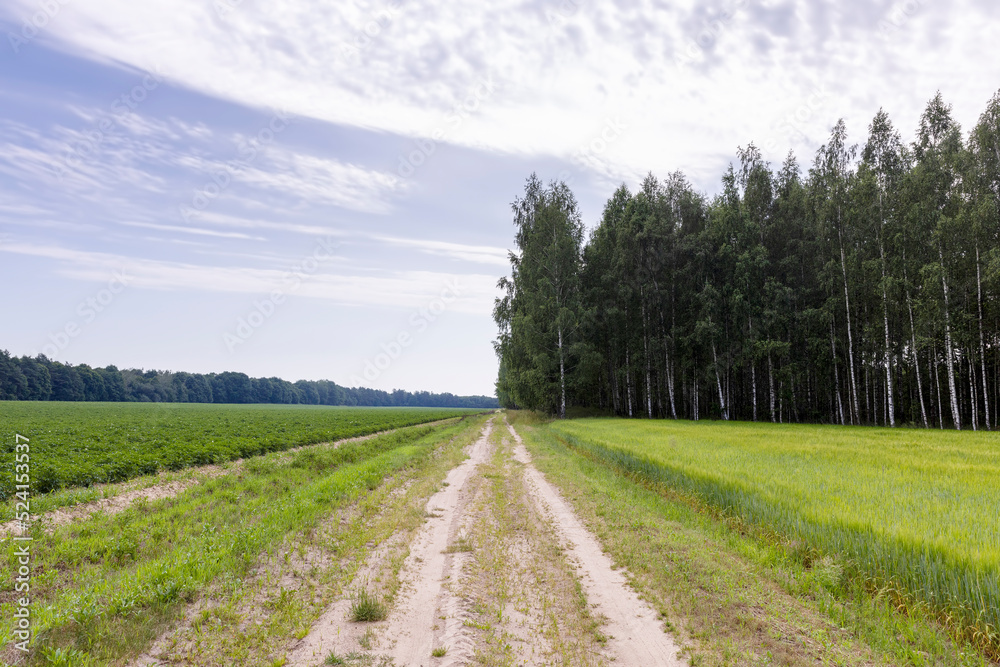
<point>882,169</point>
<point>540,312</point>
<point>831,178</point>
<point>938,152</point>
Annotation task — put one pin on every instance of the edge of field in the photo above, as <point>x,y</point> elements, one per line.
<point>145,485</point>
<point>734,595</point>
<point>316,551</point>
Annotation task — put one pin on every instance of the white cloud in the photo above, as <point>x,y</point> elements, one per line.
<point>560,69</point>
<point>135,156</point>
<point>223,219</point>
<point>322,181</point>
<point>470,253</point>
<point>198,231</point>
<point>398,289</point>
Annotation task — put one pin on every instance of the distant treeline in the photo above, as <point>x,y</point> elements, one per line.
<point>863,291</point>
<point>40,379</point>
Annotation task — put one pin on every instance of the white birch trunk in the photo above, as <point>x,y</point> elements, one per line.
<point>836,375</point>
<point>916,359</point>
<point>888,365</point>
<point>696,398</point>
<point>770,382</point>
<point>753,375</point>
<point>850,337</point>
<point>972,395</point>
<point>982,341</point>
<point>628,380</point>
<point>649,371</point>
<point>562,377</point>
<point>937,381</point>
<point>718,385</point>
<point>949,361</point>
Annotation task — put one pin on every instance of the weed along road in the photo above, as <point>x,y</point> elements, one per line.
<point>501,572</point>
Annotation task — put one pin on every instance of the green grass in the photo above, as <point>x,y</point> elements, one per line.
<point>731,594</point>
<point>914,512</point>
<point>461,544</point>
<point>440,652</point>
<point>80,444</point>
<point>104,586</point>
<point>368,607</point>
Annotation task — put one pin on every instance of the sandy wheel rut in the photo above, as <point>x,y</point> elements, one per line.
<point>491,578</point>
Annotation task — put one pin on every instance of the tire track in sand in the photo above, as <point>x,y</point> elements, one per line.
<point>636,636</point>
<point>429,614</point>
<point>413,628</point>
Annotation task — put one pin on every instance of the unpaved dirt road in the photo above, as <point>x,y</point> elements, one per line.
<point>636,635</point>
<point>411,629</point>
<point>492,577</point>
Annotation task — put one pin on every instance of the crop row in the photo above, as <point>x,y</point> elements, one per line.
<point>80,444</point>
<point>95,577</point>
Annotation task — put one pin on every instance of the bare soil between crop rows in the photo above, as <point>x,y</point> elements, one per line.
<point>127,493</point>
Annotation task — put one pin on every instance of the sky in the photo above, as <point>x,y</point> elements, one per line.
<point>322,190</point>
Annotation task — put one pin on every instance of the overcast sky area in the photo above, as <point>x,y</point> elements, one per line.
<point>291,188</point>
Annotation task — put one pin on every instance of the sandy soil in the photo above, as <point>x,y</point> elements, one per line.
<point>414,626</point>
<point>636,636</point>
<point>429,613</point>
<point>523,594</point>
<point>121,501</point>
<point>110,506</point>
<point>433,608</point>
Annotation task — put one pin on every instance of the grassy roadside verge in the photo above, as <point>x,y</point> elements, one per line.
<point>68,498</point>
<point>732,596</point>
<point>105,587</point>
<point>289,588</point>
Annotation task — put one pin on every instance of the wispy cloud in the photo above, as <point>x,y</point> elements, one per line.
<point>324,181</point>
<point>477,254</point>
<point>199,231</point>
<point>400,289</point>
<point>223,219</point>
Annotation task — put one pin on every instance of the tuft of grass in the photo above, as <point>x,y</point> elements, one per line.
<point>65,657</point>
<point>462,544</point>
<point>368,607</point>
<point>440,652</point>
<point>334,659</point>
